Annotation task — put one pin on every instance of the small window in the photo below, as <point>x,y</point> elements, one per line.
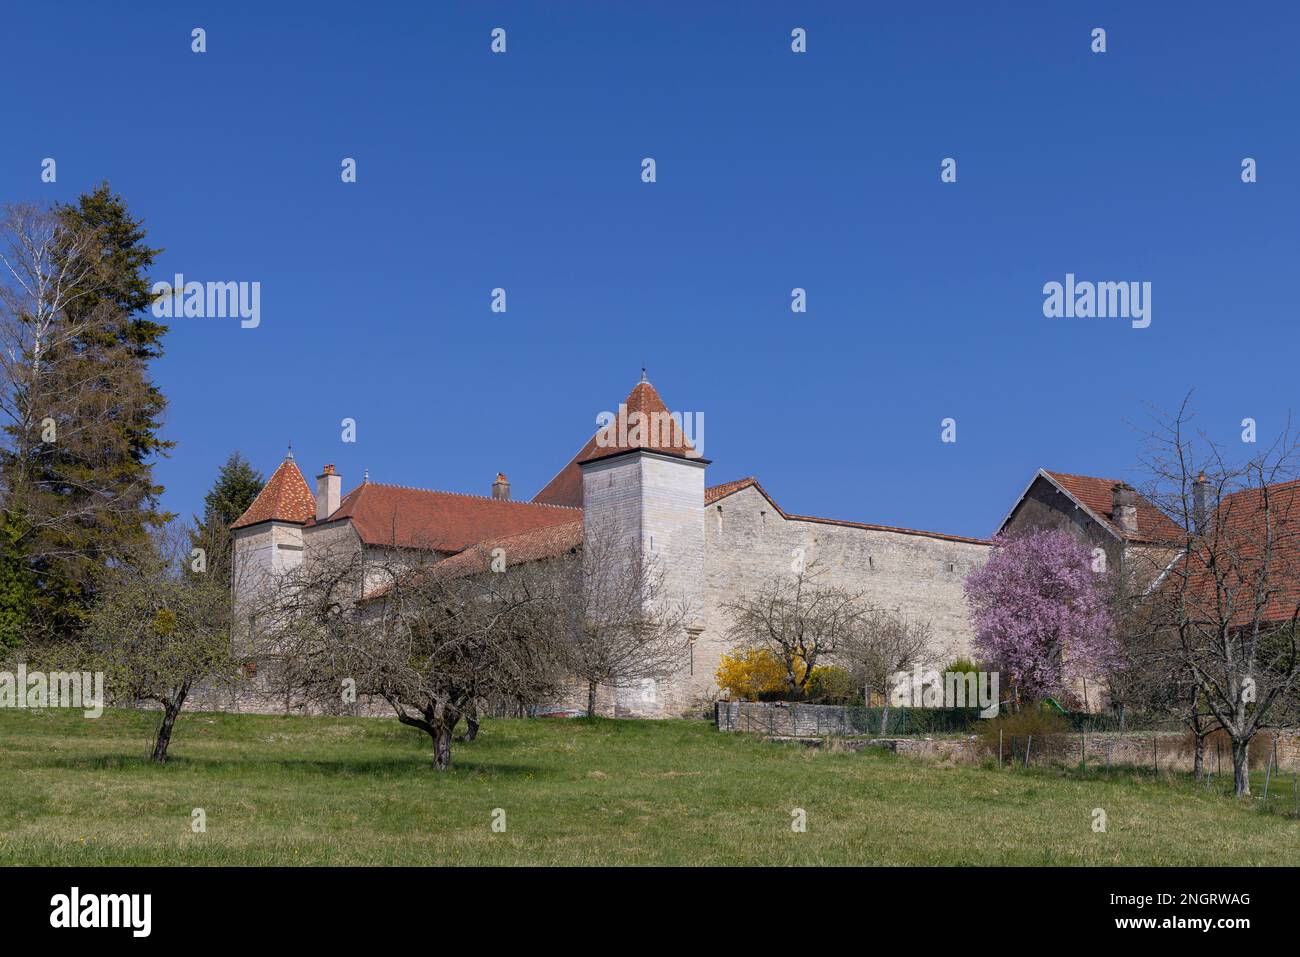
<point>952,566</point>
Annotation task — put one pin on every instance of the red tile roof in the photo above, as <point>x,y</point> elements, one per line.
<point>286,497</point>
<point>716,492</point>
<point>443,521</point>
<point>658,432</point>
<point>1237,544</point>
<point>539,543</point>
<point>1097,495</point>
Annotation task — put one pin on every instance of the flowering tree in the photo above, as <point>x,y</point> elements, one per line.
<point>1040,612</point>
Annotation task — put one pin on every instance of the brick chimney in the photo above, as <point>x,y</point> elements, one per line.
<point>1124,511</point>
<point>501,487</point>
<point>329,488</point>
<point>1200,503</point>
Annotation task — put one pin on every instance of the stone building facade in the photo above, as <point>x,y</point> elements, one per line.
<point>648,489</point>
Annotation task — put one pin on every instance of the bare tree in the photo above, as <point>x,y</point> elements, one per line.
<point>625,625</point>
<point>798,618</point>
<point>1149,675</point>
<point>883,644</point>
<point>430,642</point>
<point>1228,603</point>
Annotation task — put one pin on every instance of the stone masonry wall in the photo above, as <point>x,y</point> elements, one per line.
<point>747,542</point>
<point>1164,750</point>
<point>655,504</point>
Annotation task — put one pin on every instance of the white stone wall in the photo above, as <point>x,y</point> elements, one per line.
<point>747,542</point>
<point>655,503</point>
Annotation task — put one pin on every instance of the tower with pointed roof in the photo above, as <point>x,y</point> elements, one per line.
<point>268,537</point>
<point>642,489</point>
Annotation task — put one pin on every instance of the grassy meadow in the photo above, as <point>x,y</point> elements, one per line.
<point>321,791</point>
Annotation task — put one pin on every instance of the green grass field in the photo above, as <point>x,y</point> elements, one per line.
<point>300,790</point>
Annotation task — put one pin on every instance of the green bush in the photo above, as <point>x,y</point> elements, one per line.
<point>1040,720</point>
<point>829,685</point>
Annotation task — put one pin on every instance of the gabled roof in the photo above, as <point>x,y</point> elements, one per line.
<point>659,434</point>
<point>1246,529</point>
<point>286,497</point>
<point>535,545</point>
<point>719,492</point>
<point>716,492</point>
<point>1096,497</point>
<point>443,521</point>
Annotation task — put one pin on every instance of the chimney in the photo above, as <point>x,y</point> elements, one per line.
<point>1124,510</point>
<point>501,487</point>
<point>1200,503</point>
<point>328,492</point>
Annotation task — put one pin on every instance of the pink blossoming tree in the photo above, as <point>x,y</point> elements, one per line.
<point>1040,613</point>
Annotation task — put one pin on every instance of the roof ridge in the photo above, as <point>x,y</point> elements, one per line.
<point>900,529</point>
<point>485,498</point>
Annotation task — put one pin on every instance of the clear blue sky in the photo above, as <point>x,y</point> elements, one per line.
<point>775,170</point>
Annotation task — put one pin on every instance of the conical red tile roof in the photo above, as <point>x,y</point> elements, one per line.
<point>285,498</point>
<point>658,433</point>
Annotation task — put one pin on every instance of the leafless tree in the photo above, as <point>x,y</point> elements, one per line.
<point>1229,600</point>
<point>1149,675</point>
<point>430,642</point>
<point>799,618</point>
<point>625,625</point>
<point>883,644</point>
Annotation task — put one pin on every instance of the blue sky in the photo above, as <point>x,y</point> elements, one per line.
<point>775,170</point>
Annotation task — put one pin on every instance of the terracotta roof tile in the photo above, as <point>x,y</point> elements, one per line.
<point>285,497</point>
<point>534,545</point>
<point>659,432</point>
<point>1243,524</point>
<point>1098,495</point>
<point>443,521</point>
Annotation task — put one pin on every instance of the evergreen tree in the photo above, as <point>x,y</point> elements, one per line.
<point>81,500</point>
<point>16,587</point>
<point>237,484</point>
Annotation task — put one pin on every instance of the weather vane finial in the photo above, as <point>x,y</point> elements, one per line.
<point>289,454</point>
<point>643,378</point>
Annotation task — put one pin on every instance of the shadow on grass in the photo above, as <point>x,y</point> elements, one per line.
<point>1283,798</point>
<point>374,768</point>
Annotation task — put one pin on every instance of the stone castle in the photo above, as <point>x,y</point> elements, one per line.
<point>648,488</point>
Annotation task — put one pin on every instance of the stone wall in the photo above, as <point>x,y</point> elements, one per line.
<point>655,504</point>
<point>1163,750</point>
<point>747,542</point>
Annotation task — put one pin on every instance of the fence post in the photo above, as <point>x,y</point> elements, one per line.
<point>1028,745</point>
<point>1155,755</point>
<point>999,747</point>
<point>1083,750</point>
<point>1268,771</point>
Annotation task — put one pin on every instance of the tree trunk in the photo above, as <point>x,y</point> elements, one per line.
<point>1241,766</point>
<point>591,699</point>
<point>1198,761</point>
<point>471,725</point>
<point>884,718</point>
<point>442,746</point>
<point>171,708</point>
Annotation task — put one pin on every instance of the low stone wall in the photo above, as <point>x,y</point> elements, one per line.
<point>1162,750</point>
<point>781,718</point>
